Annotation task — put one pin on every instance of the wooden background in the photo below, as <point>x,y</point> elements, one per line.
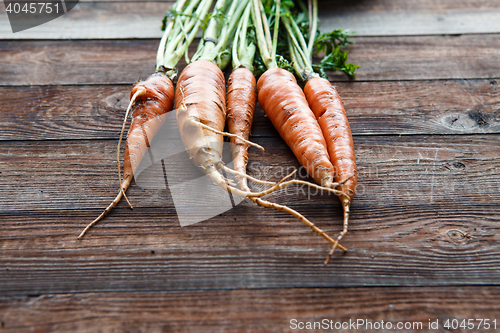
<point>424,233</point>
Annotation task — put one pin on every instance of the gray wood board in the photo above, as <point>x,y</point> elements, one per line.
<point>250,310</point>
<point>373,108</point>
<point>123,62</point>
<point>142,19</point>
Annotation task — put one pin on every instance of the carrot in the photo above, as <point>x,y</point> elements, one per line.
<point>154,97</point>
<point>326,104</point>
<point>157,100</point>
<point>329,110</point>
<point>241,100</point>
<point>288,109</point>
<point>151,99</point>
<point>200,97</point>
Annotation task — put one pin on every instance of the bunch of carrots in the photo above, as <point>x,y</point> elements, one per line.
<point>269,37</point>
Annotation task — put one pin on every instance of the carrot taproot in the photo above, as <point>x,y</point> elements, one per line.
<point>329,110</point>
<point>150,99</point>
<point>326,105</point>
<point>146,119</point>
<point>200,97</point>
<point>241,100</point>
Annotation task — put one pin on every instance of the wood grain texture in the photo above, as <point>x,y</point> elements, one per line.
<point>123,62</point>
<point>97,20</point>
<point>246,310</point>
<point>386,17</point>
<point>424,229</point>
<point>424,58</point>
<point>374,108</point>
<point>63,112</point>
<point>147,251</point>
<point>426,214</point>
<point>409,171</point>
<point>76,62</point>
<point>142,19</point>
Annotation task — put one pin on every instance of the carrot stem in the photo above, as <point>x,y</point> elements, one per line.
<point>265,54</point>
<point>233,16</point>
<point>300,58</point>
<point>243,54</point>
<point>313,27</point>
<point>298,64</point>
<point>267,30</point>
<point>177,43</point>
<point>276,29</point>
<point>211,33</point>
<point>298,34</point>
<point>220,28</point>
<point>168,29</point>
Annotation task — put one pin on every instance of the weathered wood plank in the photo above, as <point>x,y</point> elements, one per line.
<point>374,108</point>
<point>249,310</point>
<point>412,170</point>
<point>122,62</point>
<point>245,249</point>
<point>406,170</point>
<point>63,112</point>
<point>426,213</point>
<point>97,20</point>
<point>435,246</point>
<point>141,19</point>
<point>76,62</point>
<point>386,17</point>
<point>435,57</point>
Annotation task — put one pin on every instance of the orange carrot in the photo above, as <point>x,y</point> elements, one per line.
<point>200,98</point>
<point>328,108</point>
<point>154,97</point>
<point>326,105</point>
<point>241,100</point>
<point>157,100</point>
<point>287,108</point>
<point>149,100</point>
<point>330,113</point>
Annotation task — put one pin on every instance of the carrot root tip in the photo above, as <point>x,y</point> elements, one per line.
<point>126,199</point>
